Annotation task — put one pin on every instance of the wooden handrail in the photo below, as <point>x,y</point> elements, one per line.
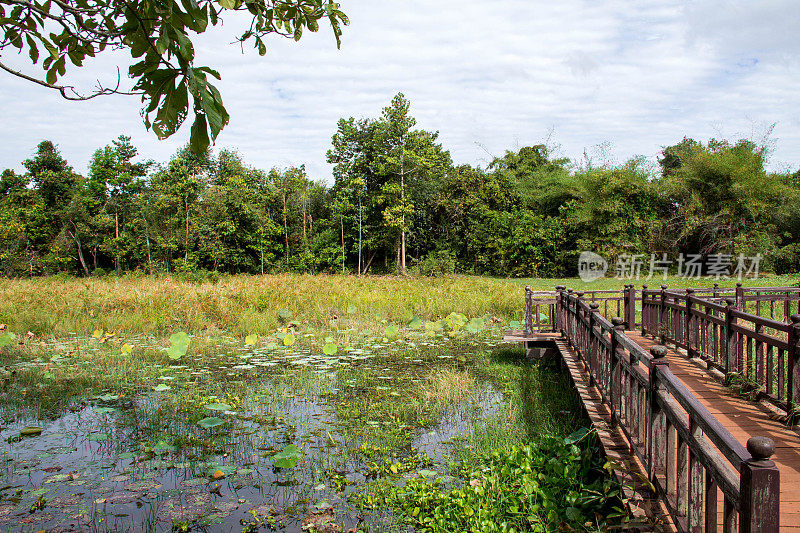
<point>686,451</point>
<point>760,351</point>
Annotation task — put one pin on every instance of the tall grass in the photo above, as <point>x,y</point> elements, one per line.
<point>244,304</point>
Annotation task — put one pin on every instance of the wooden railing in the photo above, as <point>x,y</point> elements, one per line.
<point>761,353</point>
<point>540,315</point>
<point>690,458</point>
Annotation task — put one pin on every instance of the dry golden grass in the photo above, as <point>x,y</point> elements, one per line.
<point>447,386</point>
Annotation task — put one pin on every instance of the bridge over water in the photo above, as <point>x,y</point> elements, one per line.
<point>694,394</point>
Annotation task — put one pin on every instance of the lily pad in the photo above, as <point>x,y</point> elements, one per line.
<point>161,387</point>
<point>98,437</point>
<point>289,339</point>
<point>330,349</point>
<point>250,340</point>
<point>218,406</point>
<point>180,345</point>
<point>210,422</point>
<point>288,457</point>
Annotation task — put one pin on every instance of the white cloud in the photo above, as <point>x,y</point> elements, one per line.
<point>640,75</point>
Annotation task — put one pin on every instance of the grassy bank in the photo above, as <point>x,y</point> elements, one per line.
<point>242,305</point>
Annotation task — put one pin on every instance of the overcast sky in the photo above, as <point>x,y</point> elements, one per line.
<point>633,76</point>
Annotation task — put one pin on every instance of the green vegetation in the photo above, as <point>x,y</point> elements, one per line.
<point>398,204</point>
<point>379,409</point>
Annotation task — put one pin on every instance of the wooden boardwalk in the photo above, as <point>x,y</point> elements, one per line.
<point>744,419</point>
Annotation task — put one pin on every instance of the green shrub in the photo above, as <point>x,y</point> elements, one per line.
<point>555,485</point>
<point>437,263</point>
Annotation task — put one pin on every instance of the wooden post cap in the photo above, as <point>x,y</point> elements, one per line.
<point>527,288</point>
<point>663,287</point>
<point>795,319</point>
<point>594,306</point>
<point>689,291</point>
<point>644,287</point>
<point>761,448</point>
<point>580,294</point>
<point>739,284</point>
<point>570,290</point>
<point>560,287</point>
<point>617,321</point>
<point>729,301</point>
<point>658,351</point>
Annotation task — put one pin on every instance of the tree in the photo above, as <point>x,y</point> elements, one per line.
<point>158,34</point>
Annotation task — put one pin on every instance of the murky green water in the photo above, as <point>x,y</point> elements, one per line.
<point>141,462</point>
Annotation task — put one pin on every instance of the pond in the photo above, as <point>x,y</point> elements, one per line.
<point>267,434</point>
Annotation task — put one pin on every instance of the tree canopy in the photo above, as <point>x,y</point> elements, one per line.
<point>530,212</point>
<point>158,34</point>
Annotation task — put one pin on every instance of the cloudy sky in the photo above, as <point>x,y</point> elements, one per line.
<point>628,76</point>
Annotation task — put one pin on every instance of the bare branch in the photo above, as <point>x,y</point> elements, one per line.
<point>68,91</point>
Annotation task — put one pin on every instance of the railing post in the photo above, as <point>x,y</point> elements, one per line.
<point>591,346</point>
<point>558,320</point>
<point>646,321</point>
<point>614,388</point>
<point>740,297</point>
<point>655,439</point>
<point>528,311</point>
<point>579,331</point>
<point>793,370</point>
<point>729,336</point>
<point>688,336</point>
<point>570,323</point>
<point>662,326</point>
<point>759,489</point>
<point>629,307</point>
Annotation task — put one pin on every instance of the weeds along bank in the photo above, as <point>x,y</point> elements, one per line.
<point>242,304</point>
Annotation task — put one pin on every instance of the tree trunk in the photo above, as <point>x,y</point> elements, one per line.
<point>80,251</point>
<point>186,242</point>
<point>369,262</point>
<point>116,240</point>
<point>285,230</point>
<point>403,204</point>
<point>341,220</point>
<point>359,235</point>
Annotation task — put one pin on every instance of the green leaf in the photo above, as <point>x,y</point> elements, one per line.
<point>289,339</point>
<point>31,431</point>
<point>250,340</point>
<point>330,349</point>
<point>391,331</point>
<point>6,338</point>
<point>180,345</point>
<point>288,457</point>
<point>210,422</point>
<point>199,135</point>
<point>218,406</point>
<point>162,388</point>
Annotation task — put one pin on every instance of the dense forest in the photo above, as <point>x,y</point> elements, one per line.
<point>397,204</point>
